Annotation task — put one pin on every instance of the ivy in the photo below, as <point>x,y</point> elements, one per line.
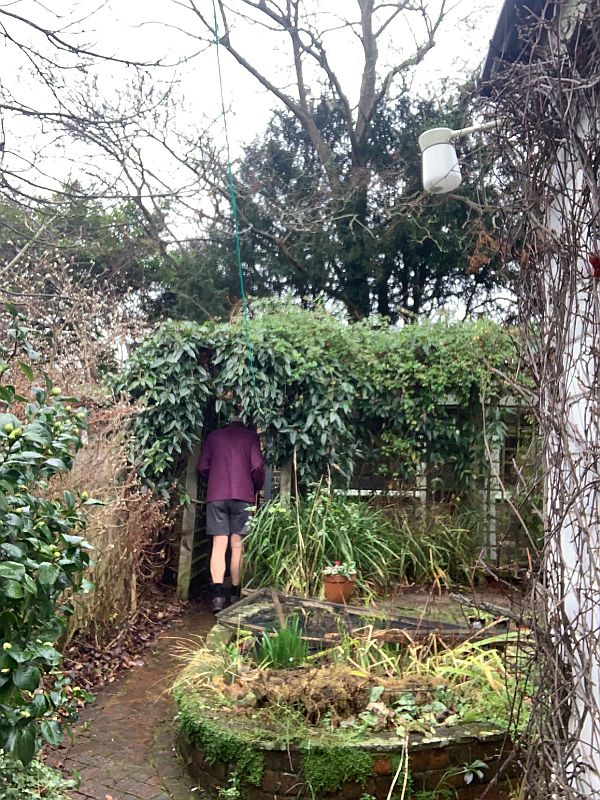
<point>325,389</point>
<point>167,376</point>
<point>34,782</point>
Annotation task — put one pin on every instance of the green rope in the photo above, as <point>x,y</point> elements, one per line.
<point>236,229</point>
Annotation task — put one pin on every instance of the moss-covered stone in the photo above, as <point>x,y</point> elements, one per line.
<point>216,743</point>
<point>325,770</point>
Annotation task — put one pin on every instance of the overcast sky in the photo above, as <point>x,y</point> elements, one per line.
<point>146,28</point>
<point>167,29</point>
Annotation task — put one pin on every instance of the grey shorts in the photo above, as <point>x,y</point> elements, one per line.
<point>224,517</point>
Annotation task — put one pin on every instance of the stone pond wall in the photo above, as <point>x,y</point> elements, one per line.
<point>351,772</point>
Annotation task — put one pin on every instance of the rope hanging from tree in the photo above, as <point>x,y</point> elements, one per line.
<point>234,214</point>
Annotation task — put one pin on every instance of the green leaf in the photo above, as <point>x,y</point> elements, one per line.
<point>38,704</point>
<point>27,676</point>
<point>27,457</point>
<point>26,370</point>
<point>8,419</point>
<point>47,574</point>
<point>13,590</point>
<point>26,744</point>
<point>11,570</point>
<point>7,394</point>
<point>8,620</point>
<point>57,463</point>
<point>51,732</point>
<point>19,656</point>
<point>29,584</point>
<point>49,654</point>
<point>12,550</point>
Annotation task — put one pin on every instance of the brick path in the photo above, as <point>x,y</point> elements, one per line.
<point>123,743</point>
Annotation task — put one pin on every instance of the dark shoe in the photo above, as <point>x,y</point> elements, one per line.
<point>218,597</point>
<point>235,594</point>
<point>218,603</point>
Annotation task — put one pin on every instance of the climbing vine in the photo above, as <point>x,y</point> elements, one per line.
<point>324,388</point>
<point>167,377</point>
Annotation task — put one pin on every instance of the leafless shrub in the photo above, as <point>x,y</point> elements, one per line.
<point>127,532</point>
<point>548,148</point>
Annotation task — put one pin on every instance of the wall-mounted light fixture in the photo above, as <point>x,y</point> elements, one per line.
<point>441,170</point>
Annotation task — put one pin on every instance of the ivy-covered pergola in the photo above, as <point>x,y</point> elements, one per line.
<point>324,391</point>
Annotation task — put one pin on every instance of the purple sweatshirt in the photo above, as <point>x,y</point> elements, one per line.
<point>232,463</point>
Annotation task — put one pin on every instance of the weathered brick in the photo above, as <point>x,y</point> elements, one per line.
<point>218,770</point>
<point>281,783</point>
<point>382,764</point>
<point>144,791</point>
<point>350,791</point>
<point>422,760</point>
<point>436,778</point>
<point>207,781</point>
<point>255,793</point>
<point>489,750</point>
<point>198,759</point>
<point>283,760</point>
<point>460,753</point>
<point>501,791</point>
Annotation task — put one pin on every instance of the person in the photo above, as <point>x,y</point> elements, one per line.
<point>232,463</point>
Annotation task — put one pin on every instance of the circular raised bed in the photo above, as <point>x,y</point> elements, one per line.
<point>440,766</point>
<point>331,731</point>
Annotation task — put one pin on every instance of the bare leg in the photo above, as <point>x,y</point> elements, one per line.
<point>217,558</point>
<point>237,549</point>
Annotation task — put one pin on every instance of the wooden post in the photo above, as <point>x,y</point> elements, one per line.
<point>421,486</point>
<point>188,527</point>
<point>494,495</point>
<point>285,483</point>
<point>268,487</point>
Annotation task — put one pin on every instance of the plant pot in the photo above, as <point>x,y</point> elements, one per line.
<point>338,588</point>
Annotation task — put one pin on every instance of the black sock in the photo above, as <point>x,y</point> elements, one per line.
<point>235,591</point>
<point>218,590</point>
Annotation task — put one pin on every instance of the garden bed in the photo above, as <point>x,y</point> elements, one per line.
<point>357,720</point>
<point>463,763</point>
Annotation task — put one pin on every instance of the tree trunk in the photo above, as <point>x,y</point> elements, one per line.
<point>354,257</point>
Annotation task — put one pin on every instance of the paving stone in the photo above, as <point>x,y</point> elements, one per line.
<point>85,757</point>
<point>145,792</point>
<point>123,743</point>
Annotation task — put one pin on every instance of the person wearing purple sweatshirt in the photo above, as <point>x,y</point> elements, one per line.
<point>232,463</point>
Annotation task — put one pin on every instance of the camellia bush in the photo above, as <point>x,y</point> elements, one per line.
<point>43,556</point>
<point>323,389</point>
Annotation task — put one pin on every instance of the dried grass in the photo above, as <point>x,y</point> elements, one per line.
<point>127,532</point>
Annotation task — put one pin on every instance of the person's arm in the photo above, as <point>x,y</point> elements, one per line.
<point>257,465</point>
<point>205,458</point>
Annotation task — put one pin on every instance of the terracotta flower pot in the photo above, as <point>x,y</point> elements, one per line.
<point>338,588</point>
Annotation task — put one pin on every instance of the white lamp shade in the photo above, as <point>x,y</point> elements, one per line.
<point>441,171</point>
